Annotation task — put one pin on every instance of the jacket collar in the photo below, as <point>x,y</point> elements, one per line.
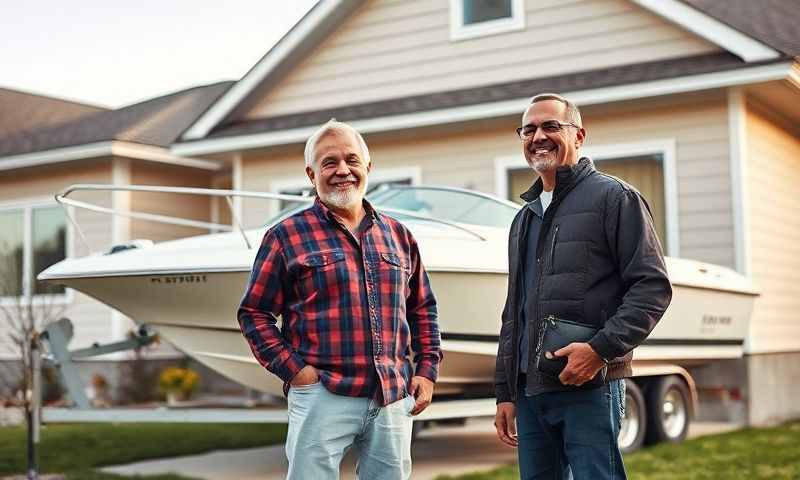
<point>566,177</point>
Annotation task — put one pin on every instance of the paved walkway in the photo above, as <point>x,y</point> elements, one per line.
<point>437,451</point>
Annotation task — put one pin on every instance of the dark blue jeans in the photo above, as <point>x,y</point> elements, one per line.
<point>571,435</point>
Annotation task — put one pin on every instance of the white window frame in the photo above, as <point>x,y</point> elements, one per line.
<point>459,31</point>
<point>27,207</point>
<point>379,175</point>
<point>663,147</point>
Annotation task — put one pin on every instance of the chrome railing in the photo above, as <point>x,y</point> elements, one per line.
<point>229,195</point>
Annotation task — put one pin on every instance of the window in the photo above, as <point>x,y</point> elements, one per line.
<point>12,242</point>
<point>31,239</point>
<point>477,18</point>
<point>477,11</point>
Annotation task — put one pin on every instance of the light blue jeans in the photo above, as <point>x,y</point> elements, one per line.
<point>323,426</point>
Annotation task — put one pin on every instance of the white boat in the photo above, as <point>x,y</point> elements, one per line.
<point>188,290</point>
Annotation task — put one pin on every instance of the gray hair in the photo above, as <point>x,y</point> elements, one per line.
<point>573,114</point>
<point>333,126</point>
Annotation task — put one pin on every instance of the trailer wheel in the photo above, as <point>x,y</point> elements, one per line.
<point>634,424</point>
<point>668,402</point>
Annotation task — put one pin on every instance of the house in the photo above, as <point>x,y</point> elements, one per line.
<point>48,144</point>
<point>696,102</point>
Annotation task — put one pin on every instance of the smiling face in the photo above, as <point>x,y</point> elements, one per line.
<point>339,172</point>
<point>547,151</point>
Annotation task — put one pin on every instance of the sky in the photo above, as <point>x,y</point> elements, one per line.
<point>115,53</point>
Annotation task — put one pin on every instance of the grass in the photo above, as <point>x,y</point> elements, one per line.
<point>78,449</point>
<point>764,453</point>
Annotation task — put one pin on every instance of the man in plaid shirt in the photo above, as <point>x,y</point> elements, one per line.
<point>353,295</point>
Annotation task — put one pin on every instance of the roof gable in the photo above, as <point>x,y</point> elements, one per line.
<point>325,16</point>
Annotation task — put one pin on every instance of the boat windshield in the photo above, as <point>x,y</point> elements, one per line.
<point>442,203</point>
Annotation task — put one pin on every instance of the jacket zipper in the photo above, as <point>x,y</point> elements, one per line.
<point>553,250</point>
<point>549,321</point>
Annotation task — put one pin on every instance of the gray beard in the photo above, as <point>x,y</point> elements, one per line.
<point>543,165</point>
<point>345,199</point>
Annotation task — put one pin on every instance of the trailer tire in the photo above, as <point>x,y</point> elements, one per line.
<point>669,410</point>
<point>634,424</point>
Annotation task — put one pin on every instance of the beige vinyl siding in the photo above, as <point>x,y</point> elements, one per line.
<point>397,49</point>
<point>464,156</point>
<point>92,319</point>
<point>195,207</point>
<point>773,174</point>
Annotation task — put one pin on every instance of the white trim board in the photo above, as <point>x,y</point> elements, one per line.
<point>664,147</point>
<point>285,48</point>
<point>737,132</point>
<point>705,26</point>
<point>104,149</point>
<point>120,232</point>
<point>743,76</point>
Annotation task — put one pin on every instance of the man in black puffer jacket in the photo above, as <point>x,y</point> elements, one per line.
<point>584,250</point>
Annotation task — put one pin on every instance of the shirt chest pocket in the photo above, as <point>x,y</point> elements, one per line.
<point>395,272</point>
<point>393,261</point>
<point>318,272</point>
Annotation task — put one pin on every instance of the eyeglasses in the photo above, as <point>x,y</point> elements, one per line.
<point>550,126</point>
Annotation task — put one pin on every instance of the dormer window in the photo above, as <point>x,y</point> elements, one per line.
<point>478,18</point>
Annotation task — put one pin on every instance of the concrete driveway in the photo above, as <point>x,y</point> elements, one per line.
<point>437,451</point>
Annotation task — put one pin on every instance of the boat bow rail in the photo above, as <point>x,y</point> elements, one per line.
<point>228,195</point>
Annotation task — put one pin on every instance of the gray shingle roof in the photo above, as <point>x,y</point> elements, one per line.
<point>606,77</point>
<point>157,122</point>
<point>24,111</point>
<point>773,22</point>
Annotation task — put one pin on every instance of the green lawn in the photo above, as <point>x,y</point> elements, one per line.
<point>765,453</point>
<point>77,449</point>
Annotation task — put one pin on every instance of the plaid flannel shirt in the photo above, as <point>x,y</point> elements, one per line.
<point>349,307</point>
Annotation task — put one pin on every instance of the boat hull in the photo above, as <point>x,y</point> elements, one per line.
<point>196,312</point>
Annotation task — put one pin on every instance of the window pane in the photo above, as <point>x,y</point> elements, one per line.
<point>11,249</point>
<point>286,204</point>
<point>462,207</point>
<point>519,181</point>
<point>477,11</point>
<point>646,174</point>
<point>49,244</point>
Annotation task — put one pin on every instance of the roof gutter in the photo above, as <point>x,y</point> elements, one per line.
<point>104,149</point>
<point>742,76</point>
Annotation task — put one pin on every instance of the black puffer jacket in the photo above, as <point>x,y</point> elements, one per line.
<point>600,263</point>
